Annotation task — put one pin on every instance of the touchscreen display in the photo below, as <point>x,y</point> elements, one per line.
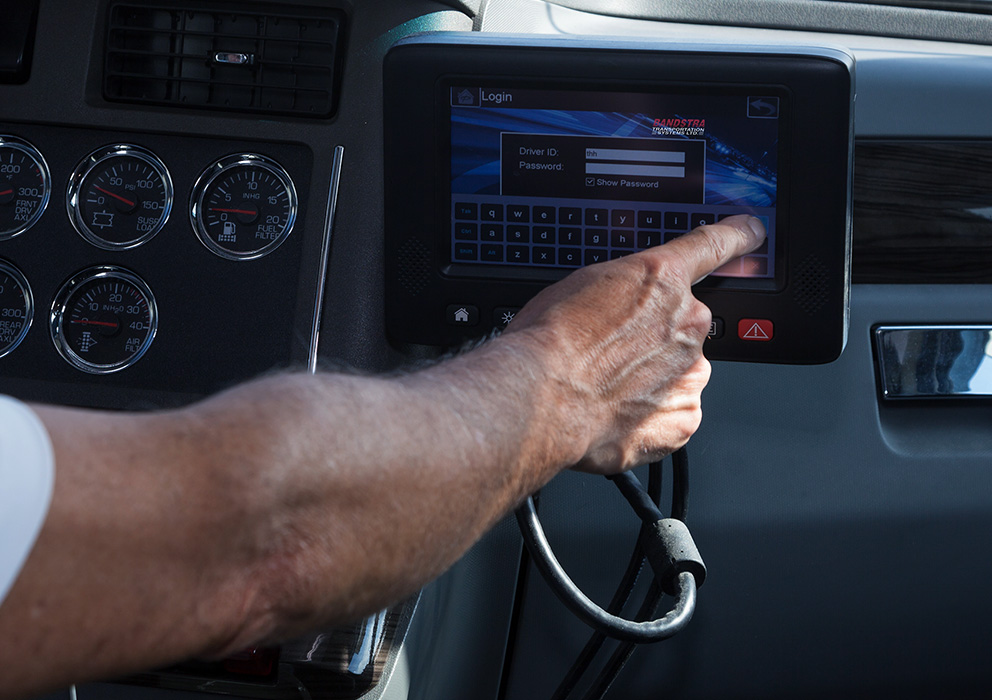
<point>562,178</point>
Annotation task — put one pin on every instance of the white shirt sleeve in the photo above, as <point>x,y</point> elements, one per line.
<point>27,475</point>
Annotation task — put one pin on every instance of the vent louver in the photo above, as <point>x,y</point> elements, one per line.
<point>282,61</point>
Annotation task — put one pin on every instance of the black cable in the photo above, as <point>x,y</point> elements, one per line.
<point>680,504</point>
<point>619,600</point>
<point>618,659</point>
<point>586,610</point>
<point>637,497</point>
<point>680,484</point>
<point>661,540</point>
<point>654,481</point>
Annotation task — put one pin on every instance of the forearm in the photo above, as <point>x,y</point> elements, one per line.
<point>411,471</point>
<point>297,501</point>
<point>285,503</point>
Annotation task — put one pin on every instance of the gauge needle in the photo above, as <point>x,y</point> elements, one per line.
<point>87,322</point>
<point>234,211</point>
<point>6,192</point>
<point>115,196</point>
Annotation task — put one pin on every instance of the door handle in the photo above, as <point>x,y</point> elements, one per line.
<point>934,361</point>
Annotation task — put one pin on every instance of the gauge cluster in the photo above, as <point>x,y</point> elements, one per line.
<point>121,288</point>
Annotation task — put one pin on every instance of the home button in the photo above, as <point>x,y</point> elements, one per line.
<point>462,315</point>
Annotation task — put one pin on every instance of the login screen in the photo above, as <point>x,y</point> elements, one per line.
<point>564,178</point>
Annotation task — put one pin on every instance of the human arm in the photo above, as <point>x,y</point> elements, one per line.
<point>298,501</point>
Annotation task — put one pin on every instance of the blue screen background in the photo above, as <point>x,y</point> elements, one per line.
<point>741,153</point>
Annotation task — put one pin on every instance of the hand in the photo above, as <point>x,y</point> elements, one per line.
<point>623,341</point>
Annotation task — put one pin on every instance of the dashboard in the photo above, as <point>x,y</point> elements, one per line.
<point>196,192</point>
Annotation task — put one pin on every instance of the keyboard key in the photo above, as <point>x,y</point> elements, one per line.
<point>492,212</point>
<point>544,234</point>
<point>492,232</point>
<point>492,253</point>
<point>543,255</point>
<point>544,215</point>
<point>596,236</point>
<point>731,268</point>
<point>569,236</point>
<point>518,234</point>
<point>595,256</point>
<point>466,251</point>
<point>570,256</point>
<point>754,266</point>
<point>596,217</point>
<point>648,239</point>
<point>698,220</point>
<point>467,232</point>
<point>519,213</point>
<point>677,221</point>
<point>622,217</point>
<point>764,244</point>
<point>614,254</point>
<point>570,215</point>
<point>649,219</point>
<point>672,235</point>
<point>622,239</point>
<point>517,254</point>
<point>466,210</point>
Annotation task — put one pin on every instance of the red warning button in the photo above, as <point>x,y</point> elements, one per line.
<point>755,329</point>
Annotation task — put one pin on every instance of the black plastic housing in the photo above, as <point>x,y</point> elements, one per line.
<point>807,301</point>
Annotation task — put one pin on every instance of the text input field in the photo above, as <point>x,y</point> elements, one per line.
<point>631,170</point>
<point>635,155</point>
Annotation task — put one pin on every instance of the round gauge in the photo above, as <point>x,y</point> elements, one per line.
<point>119,196</point>
<point>16,307</point>
<point>243,206</point>
<point>103,319</point>
<point>25,186</point>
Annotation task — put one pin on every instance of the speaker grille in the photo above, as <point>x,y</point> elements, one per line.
<point>811,285</point>
<point>414,269</point>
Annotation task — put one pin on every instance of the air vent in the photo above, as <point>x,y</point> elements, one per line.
<point>282,61</point>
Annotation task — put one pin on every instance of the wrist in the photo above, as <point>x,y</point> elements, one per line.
<point>522,396</point>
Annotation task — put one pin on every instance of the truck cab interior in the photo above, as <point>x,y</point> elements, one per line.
<point>326,184</point>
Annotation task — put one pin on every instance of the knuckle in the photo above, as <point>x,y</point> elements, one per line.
<point>705,371</point>
<point>716,244</point>
<point>700,318</point>
<point>670,264</point>
<point>693,420</point>
<point>670,274</point>
<point>741,239</point>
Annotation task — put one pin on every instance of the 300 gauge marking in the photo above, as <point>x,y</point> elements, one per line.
<point>25,186</point>
<point>119,196</point>
<point>103,319</point>
<point>16,307</point>
<point>243,206</point>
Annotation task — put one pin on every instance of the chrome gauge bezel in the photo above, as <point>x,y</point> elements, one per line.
<point>22,282</point>
<point>218,170</point>
<point>60,307</point>
<point>96,160</point>
<point>19,144</point>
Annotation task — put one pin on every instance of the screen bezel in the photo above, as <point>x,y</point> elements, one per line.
<point>810,312</point>
<point>452,269</point>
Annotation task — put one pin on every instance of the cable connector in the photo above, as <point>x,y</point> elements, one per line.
<point>670,550</point>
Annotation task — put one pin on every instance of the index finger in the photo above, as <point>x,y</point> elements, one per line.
<point>709,247</point>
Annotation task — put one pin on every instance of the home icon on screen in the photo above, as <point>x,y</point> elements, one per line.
<point>465,97</point>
